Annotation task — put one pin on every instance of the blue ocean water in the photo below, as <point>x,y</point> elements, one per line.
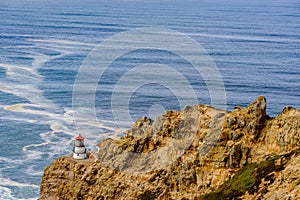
<point>254,44</point>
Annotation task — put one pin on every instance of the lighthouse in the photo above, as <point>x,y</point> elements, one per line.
<point>79,151</point>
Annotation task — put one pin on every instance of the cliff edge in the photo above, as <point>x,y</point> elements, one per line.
<point>197,153</point>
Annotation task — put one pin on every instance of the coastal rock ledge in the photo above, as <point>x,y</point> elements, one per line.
<point>197,153</point>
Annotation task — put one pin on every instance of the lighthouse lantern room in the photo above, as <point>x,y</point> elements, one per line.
<point>79,151</point>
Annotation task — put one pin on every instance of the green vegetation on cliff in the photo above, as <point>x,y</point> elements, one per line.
<point>249,178</point>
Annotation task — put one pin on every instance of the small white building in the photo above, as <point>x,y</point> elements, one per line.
<point>79,151</point>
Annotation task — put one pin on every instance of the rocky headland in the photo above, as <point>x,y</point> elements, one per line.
<point>197,153</point>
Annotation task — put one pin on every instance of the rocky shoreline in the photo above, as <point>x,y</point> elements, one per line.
<point>197,153</point>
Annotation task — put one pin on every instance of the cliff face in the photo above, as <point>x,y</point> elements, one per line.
<point>197,153</point>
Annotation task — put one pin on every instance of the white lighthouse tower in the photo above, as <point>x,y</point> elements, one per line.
<point>79,151</point>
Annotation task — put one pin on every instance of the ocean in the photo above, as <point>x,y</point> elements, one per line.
<point>254,47</point>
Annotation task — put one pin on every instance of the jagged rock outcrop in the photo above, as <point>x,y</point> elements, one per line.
<point>197,153</point>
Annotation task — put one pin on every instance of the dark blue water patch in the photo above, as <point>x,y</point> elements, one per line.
<point>12,40</point>
<point>68,27</point>
<point>47,52</point>
<point>141,101</point>
<point>63,30</point>
<point>16,56</point>
<point>59,77</point>
<point>83,14</point>
<point>127,62</point>
<point>278,96</point>
<point>256,40</point>
<point>68,62</point>
<point>10,99</point>
<point>17,134</point>
<point>2,73</point>
<point>25,192</point>
<point>89,23</point>
<point>60,96</point>
<point>19,60</point>
<point>290,15</point>
<point>56,76</point>
<point>14,37</point>
<point>20,53</point>
<point>14,136</point>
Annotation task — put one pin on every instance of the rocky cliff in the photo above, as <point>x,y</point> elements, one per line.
<point>197,153</point>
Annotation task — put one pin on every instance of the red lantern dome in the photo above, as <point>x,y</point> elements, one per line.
<point>79,137</point>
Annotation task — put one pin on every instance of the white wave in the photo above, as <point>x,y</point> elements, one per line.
<point>22,81</point>
<point>20,119</point>
<point>57,122</point>
<point>11,69</point>
<point>21,108</point>
<point>42,108</point>
<point>19,35</point>
<point>8,160</point>
<point>68,115</point>
<point>63,46</point>
<point>30,171</point>
<point>35,154</point>
<point>9,182</point>
<point>40,59</point>
<point>6,194</point>
<point>25,80</point>
<point>23,89</point>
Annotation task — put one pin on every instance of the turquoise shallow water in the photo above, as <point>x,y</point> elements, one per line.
<point>255,46</point>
